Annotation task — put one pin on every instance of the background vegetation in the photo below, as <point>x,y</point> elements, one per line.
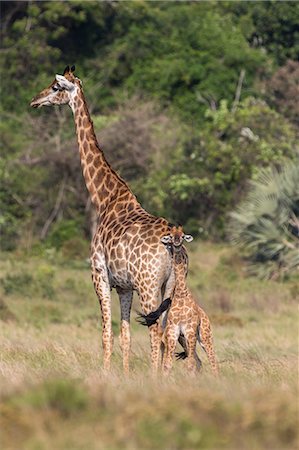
<point>189,100</point>
<point>196,105</point>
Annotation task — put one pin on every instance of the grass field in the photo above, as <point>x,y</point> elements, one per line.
<point>54,395</point>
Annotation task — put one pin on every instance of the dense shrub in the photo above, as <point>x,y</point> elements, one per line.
<point>203,181</point>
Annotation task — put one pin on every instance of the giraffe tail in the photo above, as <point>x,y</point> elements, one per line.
<point>181,355</point>
<point>184,354</point>
<point>152,317</point>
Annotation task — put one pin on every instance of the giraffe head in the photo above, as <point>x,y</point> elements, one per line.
<point>176,238</point>
<point>60,91</point>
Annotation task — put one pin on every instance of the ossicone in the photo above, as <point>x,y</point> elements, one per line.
<point>69,70</point>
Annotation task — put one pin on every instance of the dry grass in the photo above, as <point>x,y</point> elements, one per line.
<point>54,394</point>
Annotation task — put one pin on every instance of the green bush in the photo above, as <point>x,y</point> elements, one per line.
<point>44,279</point>
<point>43,314</point>
<point>5,313</point>
<point>20,283</point>
<point>63,396</point>
<point>62,232</point>
<point>28,285</point>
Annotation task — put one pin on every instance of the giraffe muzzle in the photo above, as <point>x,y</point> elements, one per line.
<point>35,104</point>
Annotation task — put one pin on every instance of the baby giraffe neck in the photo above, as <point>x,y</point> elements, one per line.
<point>180,276</point>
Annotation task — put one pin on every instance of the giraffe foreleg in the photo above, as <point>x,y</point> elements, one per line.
<point>102,288</point>
<point>149,298</point>
<point>125,298</point>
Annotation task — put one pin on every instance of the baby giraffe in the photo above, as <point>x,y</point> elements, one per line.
<point>184,317</point>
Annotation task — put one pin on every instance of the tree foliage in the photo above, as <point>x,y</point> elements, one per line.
<point>283,90</point>
<point>271,25</point>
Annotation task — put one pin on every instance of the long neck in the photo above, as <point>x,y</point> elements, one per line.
<point>103,183</point>
<point>180,276</point>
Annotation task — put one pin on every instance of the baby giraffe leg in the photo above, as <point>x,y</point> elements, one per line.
<point>191,339</point>
<point>206,339</point>
<point>169,341</point>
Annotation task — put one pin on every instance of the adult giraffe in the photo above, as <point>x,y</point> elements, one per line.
<point>126,251</point>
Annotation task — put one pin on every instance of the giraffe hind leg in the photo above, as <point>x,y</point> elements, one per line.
<point>191,339</point>
<point>184,354</point>
<point>125,298</point>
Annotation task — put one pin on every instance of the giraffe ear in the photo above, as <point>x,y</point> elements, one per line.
<point>188,238</point>
<point>166,239</point>
<point>64,83</point>
<point>66,70</point>
<point>73,68</point>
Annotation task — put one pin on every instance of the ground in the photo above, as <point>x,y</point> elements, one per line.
<point>54,394</point>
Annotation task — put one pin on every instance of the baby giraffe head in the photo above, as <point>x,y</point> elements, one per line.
<point>60,91</point>
<point>176,238</point>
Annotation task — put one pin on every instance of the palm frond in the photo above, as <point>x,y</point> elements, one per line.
<point>266,223</point>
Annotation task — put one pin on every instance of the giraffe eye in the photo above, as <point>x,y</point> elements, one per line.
<point>56,87</point>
